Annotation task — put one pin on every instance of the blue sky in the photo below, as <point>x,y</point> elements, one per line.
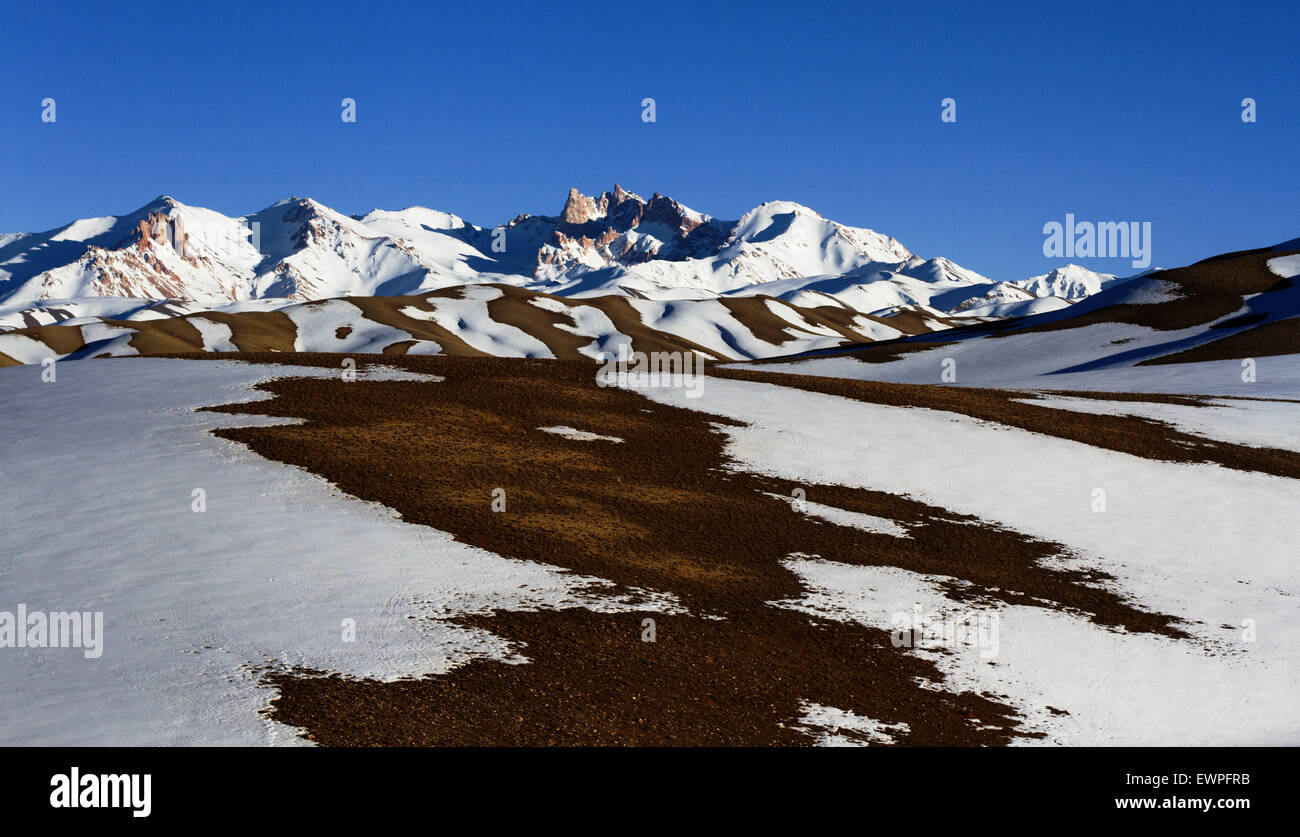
<point>1115,112</point>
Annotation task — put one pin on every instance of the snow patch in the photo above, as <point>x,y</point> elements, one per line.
<point>579,435</point>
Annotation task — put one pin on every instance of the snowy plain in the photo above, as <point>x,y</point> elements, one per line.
<point>97,514</point>
<point>1212,546</point>
<point>1032,361</point>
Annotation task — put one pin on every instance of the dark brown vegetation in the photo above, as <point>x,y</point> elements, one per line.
<point>664,510</point>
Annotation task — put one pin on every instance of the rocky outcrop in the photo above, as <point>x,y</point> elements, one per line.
<point>607,229</point>
<point>159,229</point>
<point>579,208</point>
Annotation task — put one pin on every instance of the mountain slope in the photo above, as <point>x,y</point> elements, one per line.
<point>1227,315</point>
<point>470,320</point>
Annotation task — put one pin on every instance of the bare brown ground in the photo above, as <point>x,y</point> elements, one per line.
<point>61,339</point>
<point>391,310</point>
<point>911,321</point>
<point>754,312</point>
<point>174,334</point>
<point>274,331</point>
<point>887,351</point>
<point>1280,337</point>
<point>1205,291</point>
<point>662,511</point>
<point>908,322</point>
<point>252,331</point>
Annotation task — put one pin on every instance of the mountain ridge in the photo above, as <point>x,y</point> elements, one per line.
<point>299,249</point>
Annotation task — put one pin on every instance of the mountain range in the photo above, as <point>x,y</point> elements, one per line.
<point>299,250</point>
<point>607,270</point>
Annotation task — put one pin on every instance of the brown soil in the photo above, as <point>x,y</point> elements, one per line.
<point>1280,337</point>
<point>1126,397</point>
<point>389,310</point>
<point>754,312</point>
<point>252,331</point>
<point>885,351</point>
<point>591,681</point>
<point>663,511</point>
<point>174,334</point>
<point>912,324</point>
<point>60,339</point>
<point>1207,291</point>
<point>262,331</point>
<point>908,322</point>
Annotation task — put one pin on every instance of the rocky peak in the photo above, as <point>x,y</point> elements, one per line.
<point>313,226</point>
<point>605,230</point>
<point>158,229</point>
<point>665,210</point>
<point>619,209</point>
<point>579,208</point>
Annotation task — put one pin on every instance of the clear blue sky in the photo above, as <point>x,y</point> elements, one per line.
<point>1112,111</point>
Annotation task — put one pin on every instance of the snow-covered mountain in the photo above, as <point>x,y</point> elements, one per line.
<point>1009,299</point>
<point>1221,325</point>
<point>1071,282</point>
<point>616,243</point>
